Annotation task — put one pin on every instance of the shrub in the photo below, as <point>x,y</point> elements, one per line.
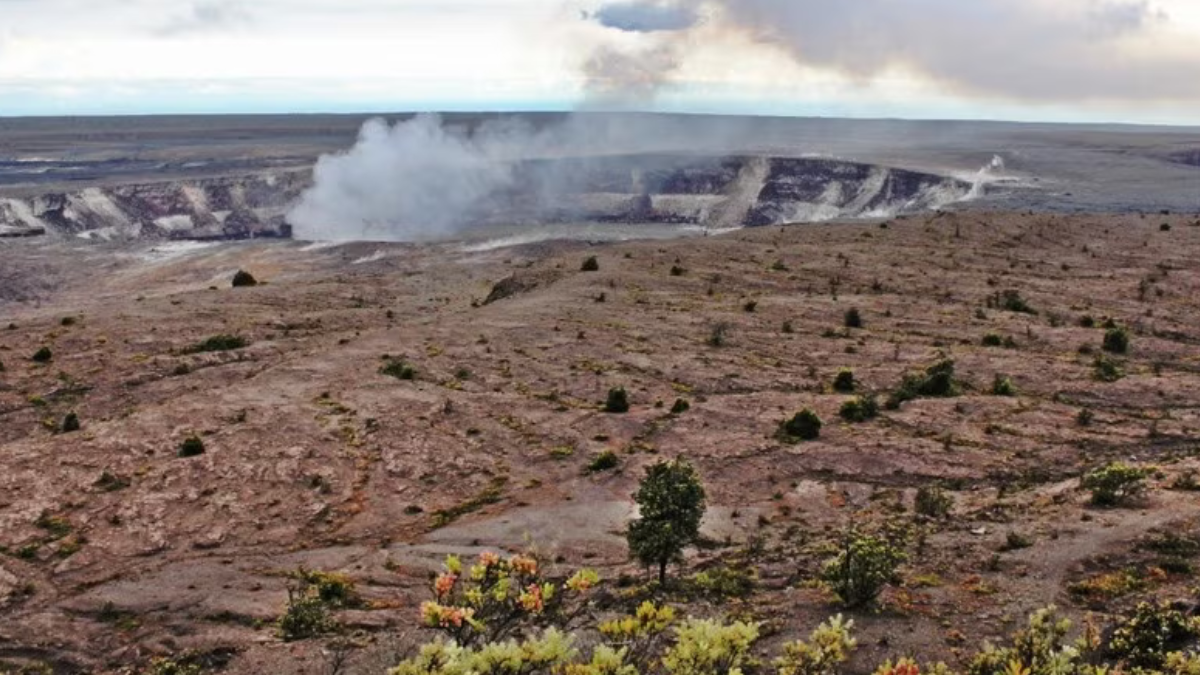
<point>936,382</point>
<point>677,271</point>
<point>335,590</point>
<point>590,265</point>
<point>726,582</point>
<point>617,402</point>
<point>192,446</point>
<point>1105,369</point>
<point>788,328</point>
<point>844,381</point>
<point>68,321</point>
<point>1087,321</point>
<point>244,279</point>
<point>1085,417</point>
<point>1039,649</point>
<point>681,406</point>
<point>1153,631</point>
<point>933,502</point>
<point>750,306</point>
<point>1011,301</point>
<point>1116,341</point>
<point>605,461</point>
<point>992,340</point>
<point>853,318</point>
<point>860,409</point>
<point>804,426</point>
<point>70,423</point>
<point>719,335</point>
<point>862,568</point>
<point>829,646</point>
<point>671,502</point>
<point>398,369</point>
<point>165,666</point>
<point>43,355</point>
<point>218,343</point>
<point>1115,484</point>
<point>1003,386</point>
<point>306,616</point>
<point>1015,541</point>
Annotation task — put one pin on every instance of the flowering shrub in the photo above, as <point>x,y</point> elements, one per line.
<point>496,598</point>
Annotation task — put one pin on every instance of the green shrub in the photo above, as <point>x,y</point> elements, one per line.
<point>860,409</point>
<point>788,328</point>
<point>1153,631</point>
<point>933,502</point>
<point>306,616</point>
<point>398,369</point>
<point>605,461</point>
<point>617,402</point>
<point>992,340</point>
<point>1003,386</point>
<point>804,426</point>
<point>681,406</point>
<point>1087,321</point>
<point>853,318</point>
<point>1105,369</point>
<point>936,382</point>
<point>677,271</point>
<point>750,306</point>
<point>218,343</point>
<point>68,321</point>
<point>192,446</point>
<point>43,355</point>
<point>165,666</point>
<point>726,582</point>
<point>1010,301</point>
<point>1116,483</point>
<point>592,264</point>
<point>1085,417</point>
<point>1116,341</point>
<point>863,567</point>
<point>844,381</point>
<point>70,423</point>
<point>719,335</point>
<point>335,590</point>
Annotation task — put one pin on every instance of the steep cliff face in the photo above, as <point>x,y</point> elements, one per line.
<point>240,207</point>
<point>718,192</point>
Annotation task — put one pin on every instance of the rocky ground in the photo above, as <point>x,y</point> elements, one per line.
<point>117,549</point>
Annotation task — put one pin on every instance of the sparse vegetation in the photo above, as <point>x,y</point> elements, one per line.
<point>862,568</point>
<point>43,355</point>
<point>844,383</point>
<point>218,343</point>
<point>192,446</point>
<point>936,382</point>
<point>933,502</point>
<point>605,461</point>
<point>70,423</point>
<point>1116,483</point>
<point>804,426</point>
<point>718,336</point>
<point>244,279</point>
<point>681,406</point>
<point>617,402</point>
<point>591,264</point>
<point>1003,386</point>
<point>853,318</point>
<point>1105,369</point>
<point>1116,341</point>
<point>398,369</point>
<point>860,409</point>
<point>1010,301</point>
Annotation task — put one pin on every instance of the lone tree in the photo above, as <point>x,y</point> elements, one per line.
<point>671,500</point>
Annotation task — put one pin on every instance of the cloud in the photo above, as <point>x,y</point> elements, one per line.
<point>1062,51</point>
<point>646,17</point>
<point>205,16</point>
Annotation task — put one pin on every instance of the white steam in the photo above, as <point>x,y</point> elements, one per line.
<point>416,180</point>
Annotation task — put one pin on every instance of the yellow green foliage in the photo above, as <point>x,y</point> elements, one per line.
<point>829,646</point>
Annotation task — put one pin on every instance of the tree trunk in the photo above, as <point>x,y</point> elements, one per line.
<point>662,573</point>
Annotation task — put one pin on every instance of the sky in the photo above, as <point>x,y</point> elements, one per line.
<point>1034,60</point>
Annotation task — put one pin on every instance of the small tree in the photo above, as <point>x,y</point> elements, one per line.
<point>671,502</point>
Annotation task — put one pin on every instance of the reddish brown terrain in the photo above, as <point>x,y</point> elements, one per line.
<point>116,549</point>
